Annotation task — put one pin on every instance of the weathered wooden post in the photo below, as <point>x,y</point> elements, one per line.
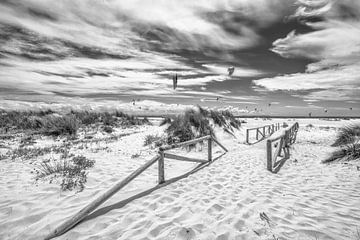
<point>264,132</point>
<point>247,136</point>
<point>210,149</point>
<point>257,134</point>
<point>286,140</point>
<point>161,172</point>
<point>268,155</point>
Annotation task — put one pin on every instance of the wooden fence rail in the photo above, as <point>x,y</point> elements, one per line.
<point>210,139</point>
<point>264,131</point>
<point>78,217</point>
<point>281,144</point>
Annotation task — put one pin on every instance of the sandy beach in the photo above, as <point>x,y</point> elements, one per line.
<point>235,197</point>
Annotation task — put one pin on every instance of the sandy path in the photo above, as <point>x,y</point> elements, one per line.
<point>305,200</point>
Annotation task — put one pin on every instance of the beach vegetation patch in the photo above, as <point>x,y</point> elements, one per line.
<point>348,142</point>
<point>195,123</point>
<point>72,173</point>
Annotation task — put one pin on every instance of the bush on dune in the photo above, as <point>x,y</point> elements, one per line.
<point>50,123</point>
<point>347,152</point>
<point>71,172</point>
<point>196,123</point>
<point>60,125</point>
<point>348,140</point>
<point>154,140</point>
<point>347,134</point>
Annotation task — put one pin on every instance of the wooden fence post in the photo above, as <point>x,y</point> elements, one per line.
<point>287,143</point>
<point>264,131</point>
<point>268,155</point>
<point>210,149</point>
<point>247,136</point>
<point>161,173</point>
<point>257,134</point>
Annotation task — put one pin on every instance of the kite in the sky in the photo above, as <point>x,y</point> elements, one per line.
<point>175,79</point>
<point>231,70</point>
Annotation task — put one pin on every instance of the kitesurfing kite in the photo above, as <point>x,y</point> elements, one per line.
<point>231,70</point>
<point>175,79</point>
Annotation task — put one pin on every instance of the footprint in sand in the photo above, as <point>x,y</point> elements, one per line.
<point>186,234</point>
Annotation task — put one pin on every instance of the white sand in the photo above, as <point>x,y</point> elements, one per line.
<point>305,200</point>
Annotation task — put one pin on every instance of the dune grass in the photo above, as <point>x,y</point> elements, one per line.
<point>155,140</point>
<point>57,124</point>
<point>347,134</point>
<point>348,141</point>
<point>195,123</point>
<point>72,172</point>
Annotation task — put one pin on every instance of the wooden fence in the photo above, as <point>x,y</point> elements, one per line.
<point>281,144</point>
<point>264,131</point>
<point>78,217</point>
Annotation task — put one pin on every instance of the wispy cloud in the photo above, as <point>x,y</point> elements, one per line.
<point>122,46</point>
<point>334,45</point>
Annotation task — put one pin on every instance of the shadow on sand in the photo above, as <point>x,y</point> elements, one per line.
<point>122,203</point>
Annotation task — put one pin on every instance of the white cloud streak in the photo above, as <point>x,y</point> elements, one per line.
<point>334,45</point>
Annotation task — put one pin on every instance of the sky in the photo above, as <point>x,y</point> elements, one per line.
<point>291,57</point>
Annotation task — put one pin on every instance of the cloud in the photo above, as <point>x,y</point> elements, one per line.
<point>125,26</point>
<point>334,45</point>
<point>83,48</point>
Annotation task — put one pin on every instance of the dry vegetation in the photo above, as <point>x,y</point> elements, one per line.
<point>197,123</point>
<point>348,142</point>
<point>57,124</point>
<point>72,173</point>
<point>24,128</point>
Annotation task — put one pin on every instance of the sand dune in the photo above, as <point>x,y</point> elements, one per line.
<point>233,198</point>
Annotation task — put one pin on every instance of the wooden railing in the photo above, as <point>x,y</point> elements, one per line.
<point>264,131</point>
<point>281,144</point>
<point>78,217</point>
<point>163,154</point>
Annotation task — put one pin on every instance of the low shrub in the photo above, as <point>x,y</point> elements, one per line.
<point>155,140</point>
<point>347,134</point>
<point>195,123</point>
<point>50,123</point>
<point>71,172</point>
<point>347,153</point>
<point>60,125</point>
<point>348,140</point>
<point>86,117</point>
<point>188,126</point>
<point>108,129</point>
